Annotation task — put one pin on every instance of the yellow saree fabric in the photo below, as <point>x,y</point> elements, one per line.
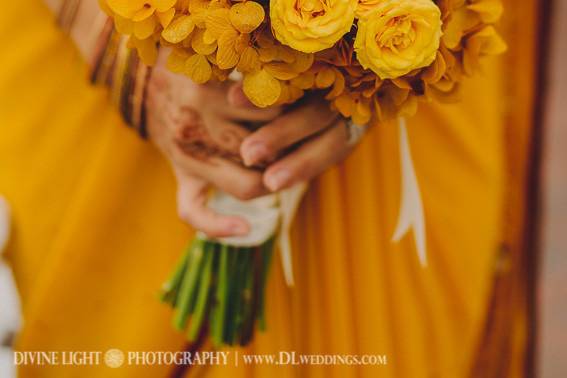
<point>96,232</point>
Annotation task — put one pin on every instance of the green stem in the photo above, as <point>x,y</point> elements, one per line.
<point>221,296</point>
<point>266,250</point>
<point>223,286</point>
<point>170,288</point>
<point>203,296</point>
<point>191,281</point>
<point>231,318</point>
<point>243,255</point>
<point>250,293</point>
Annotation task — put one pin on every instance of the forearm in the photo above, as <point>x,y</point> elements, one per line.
<point>88,19</point>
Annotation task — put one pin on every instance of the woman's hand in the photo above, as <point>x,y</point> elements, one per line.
<point>200,133</point>
<point>298,145</point>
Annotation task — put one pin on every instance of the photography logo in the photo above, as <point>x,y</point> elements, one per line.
<point>114,358</point>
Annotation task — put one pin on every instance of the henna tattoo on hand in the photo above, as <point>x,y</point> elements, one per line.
<point>196,141</point>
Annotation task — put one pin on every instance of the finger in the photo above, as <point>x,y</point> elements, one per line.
<point>241,109</point>
<point>236,96</point>
<point>232,178</point>
<point>228,136</point>
<point>192,195</point>
<point>309,160</point>
<point>270,140</point>
<point>236,180</point>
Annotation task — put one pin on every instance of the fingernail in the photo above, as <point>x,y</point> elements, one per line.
<point>254,153</point>
<point>277,179</point>
<point>238,228</point>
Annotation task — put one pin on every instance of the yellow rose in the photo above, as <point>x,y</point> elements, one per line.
<point>366,6</point>
<point>311,25</point>
<point>398,36</point>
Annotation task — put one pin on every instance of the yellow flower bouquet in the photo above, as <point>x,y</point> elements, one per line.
<point>373,60</point>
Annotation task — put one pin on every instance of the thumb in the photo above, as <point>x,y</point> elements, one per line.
<point>237,98</point>
<point>192,196</point>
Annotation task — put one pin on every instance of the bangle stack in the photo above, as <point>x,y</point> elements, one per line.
<point>68,13</point>
<point>115,65</point>
<point>129,88</point>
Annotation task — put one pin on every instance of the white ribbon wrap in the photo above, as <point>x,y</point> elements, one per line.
<point>262,214</point>
<point>289,203</point>
<point>268,216</point>
<point>411,206</point>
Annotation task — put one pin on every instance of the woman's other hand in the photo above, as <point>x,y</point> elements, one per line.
<point>200,133</point>
<point>298,145</point>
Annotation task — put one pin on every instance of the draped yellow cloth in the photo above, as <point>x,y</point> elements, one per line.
<point>96,232</point>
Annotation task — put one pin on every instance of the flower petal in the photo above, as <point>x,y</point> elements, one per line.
<point>261,88</point>
<point>247,16</point>
<point>198,69</point>
<point>178,29</point>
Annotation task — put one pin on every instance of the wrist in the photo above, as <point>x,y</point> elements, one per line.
<point>90,21</point>
<point>83,20</point>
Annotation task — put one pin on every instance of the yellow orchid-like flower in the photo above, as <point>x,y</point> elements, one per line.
<point>311,25</point>
<point>139,10</point>
<point>484,42</point>
<point>398,36</point>
<point>141,17</point>
<point>489,11</point>
<point>468,17</point>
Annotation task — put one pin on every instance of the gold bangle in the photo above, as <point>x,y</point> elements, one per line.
<point>121,64</point>
<point>142,127</point>
<point>105,76</point>
<point>127,89</point>
<point>120,68</point>
<point>98,37</point>
<point>138,95</point>
<point>68,14</point>
<point>100,51</point>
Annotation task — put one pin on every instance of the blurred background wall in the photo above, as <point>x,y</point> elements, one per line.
<point>553,284</point>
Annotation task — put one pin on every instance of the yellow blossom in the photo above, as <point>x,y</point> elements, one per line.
<point>198,68</point>
<point>178,29</point>
<point>141,18</point>
<point>404,50</point>
<point>138,10</point>
<point>247,16</point>
<point>261,88</point>
<point>366,6</point>
<point>398,36</point>
<point>489,11</point>
<point>484,42</point>
<point>467,18</point>
<point>311,25</point>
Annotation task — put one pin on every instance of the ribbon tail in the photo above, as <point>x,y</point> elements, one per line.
<point>411,207</point>
<point>4,223</point>
<point>289,203</point>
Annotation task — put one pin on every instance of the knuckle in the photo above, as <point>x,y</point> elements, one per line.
<point>272,113</point>
<point>197,95</point>
<point>269,143</point>
<point>213,233</point>
<point>305,168</point>
<point>249,189</point>
<point>184,214</point>
<point>273,136</point>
